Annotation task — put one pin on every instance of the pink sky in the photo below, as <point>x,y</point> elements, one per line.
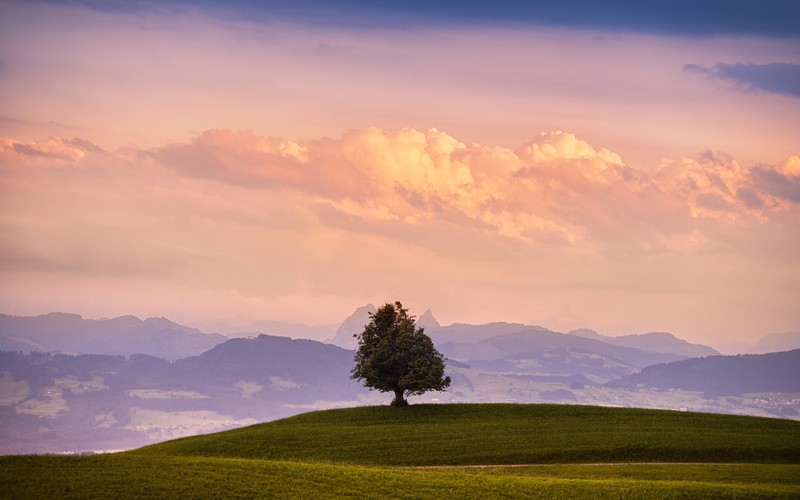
<point>173,163</point>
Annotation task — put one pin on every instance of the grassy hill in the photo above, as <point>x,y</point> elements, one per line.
<point>447,451</point>
<point>463,434</point>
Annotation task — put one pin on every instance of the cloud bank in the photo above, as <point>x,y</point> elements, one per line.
<point>776,78</point>
<point>555,231</point>
<point>553,185</point>
<point>698,17</point>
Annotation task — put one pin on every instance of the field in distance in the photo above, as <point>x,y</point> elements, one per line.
<point>494,450</point>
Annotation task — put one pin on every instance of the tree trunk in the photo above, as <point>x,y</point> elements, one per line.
<point>399,400</point>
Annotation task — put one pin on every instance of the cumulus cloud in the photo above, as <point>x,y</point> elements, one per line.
<point>67,151</point>
<point>373,213</point>
<point>715,186</point>
<point>559,145</point>
<point>554,188</point>
<point>775,78</point>
<point>555,184</point>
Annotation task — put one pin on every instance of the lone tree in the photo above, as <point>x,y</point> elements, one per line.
<point>394,355</point>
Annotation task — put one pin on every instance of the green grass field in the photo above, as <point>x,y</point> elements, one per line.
<point>445,451</point>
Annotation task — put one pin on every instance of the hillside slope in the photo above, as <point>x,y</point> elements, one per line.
<point>555,452</point>
<point>725,375</point>
<point>456,434</point>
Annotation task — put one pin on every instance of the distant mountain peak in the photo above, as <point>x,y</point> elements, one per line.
<point>367,309</point>
<point>353,325</point>
<point>427,320</point>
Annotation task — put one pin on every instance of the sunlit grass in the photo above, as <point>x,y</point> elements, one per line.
<point>426,452</point>
<point>502,434</point>
<point>128,476</point>
<point>786,474</point>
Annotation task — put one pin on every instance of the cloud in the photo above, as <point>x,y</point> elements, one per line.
<point>700,17</point>
<point>233,222</point>
<point>243,158</point>
<point>555,183</point>
<point>775,78</point>
<point>555,188</point>
<point>52,148</point>
<point>151,65</point>
<point>750,197</point>
<point>782,182</point>
<point>560,145</point>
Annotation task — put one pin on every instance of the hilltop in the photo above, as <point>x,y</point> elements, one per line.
<point>483,434</point>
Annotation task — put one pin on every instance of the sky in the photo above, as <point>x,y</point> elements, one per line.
<point>623,166</point>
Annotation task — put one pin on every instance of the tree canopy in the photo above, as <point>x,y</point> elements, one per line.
<point>395,356</point>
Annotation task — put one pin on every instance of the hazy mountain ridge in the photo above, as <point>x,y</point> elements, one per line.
<point>777,342</point>
<point>661,342</point>
<point>466,333</point>
<point>280,328</point>
<point>536,352</point>
<point>124,335</point>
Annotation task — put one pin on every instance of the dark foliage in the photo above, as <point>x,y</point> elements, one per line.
<point>395,356</point>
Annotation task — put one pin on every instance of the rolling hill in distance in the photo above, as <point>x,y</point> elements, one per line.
<point>723,375</point>
<point>74,384</point>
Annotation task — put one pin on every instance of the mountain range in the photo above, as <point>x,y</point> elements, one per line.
<point>534,351</point>
<point>125,335</point>
<point>279,328</point>
<point>662,342</point>
<point>68,383</point>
